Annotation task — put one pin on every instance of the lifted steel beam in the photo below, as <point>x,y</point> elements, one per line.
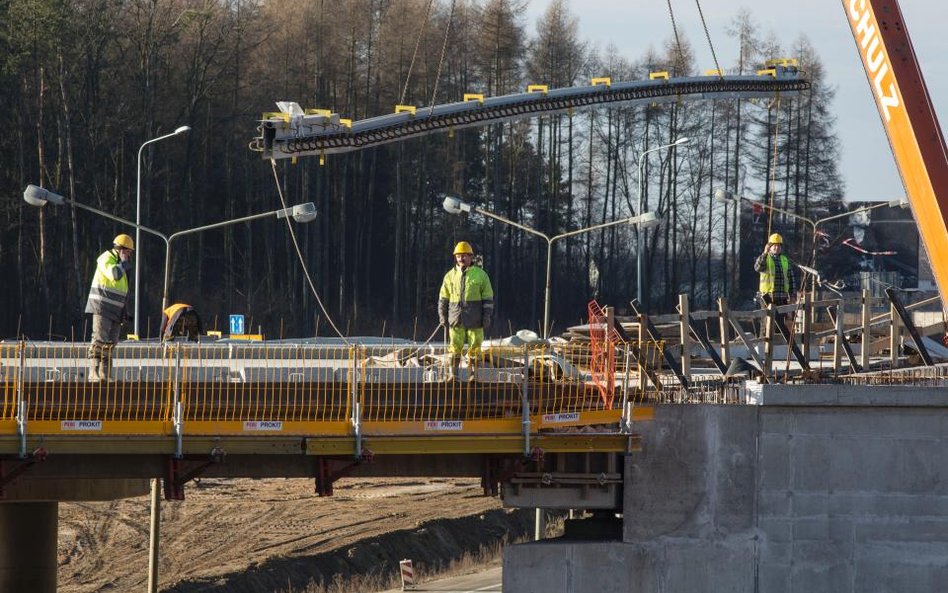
<point>319,132</point>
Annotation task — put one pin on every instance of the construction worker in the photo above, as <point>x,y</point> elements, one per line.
<point>108,303</point>
<point>466,308</point>
<point>777,283</point>
<point>180,319</point>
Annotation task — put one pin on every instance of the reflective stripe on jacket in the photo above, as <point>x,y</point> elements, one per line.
<point>767,275</point>
<point>466,298</point>
<point>109,289</point>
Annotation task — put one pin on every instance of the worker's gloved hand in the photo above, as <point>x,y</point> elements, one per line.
<point>443,322</point>
<point>487,322</point>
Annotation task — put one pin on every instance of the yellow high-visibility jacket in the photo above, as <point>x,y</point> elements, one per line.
<point>466,298</point>
<point>108,294</point>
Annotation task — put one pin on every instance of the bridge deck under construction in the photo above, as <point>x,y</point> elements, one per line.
<point>302,399</point>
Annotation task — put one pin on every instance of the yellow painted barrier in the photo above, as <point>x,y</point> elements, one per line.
<point>255,389</point>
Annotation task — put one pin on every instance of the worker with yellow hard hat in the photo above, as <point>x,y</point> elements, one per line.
<point>107,302</point>
<point>180,319</point>
<point>466,308</point>
<point>777,283</point>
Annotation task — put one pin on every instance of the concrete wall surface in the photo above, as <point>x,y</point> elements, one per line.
<point>821,489</point>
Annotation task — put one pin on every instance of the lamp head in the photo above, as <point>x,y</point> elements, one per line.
<point>683,140</point>
<point>38,196</point>
<point>455,205</point>
<point>722,195</point>
<point>182,129</point>
<point>648,220</point>
<point>901,203</point>
<point>304,212</point>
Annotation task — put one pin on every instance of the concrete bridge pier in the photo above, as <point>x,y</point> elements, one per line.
<point>28,538</point>
<point>29,526</point>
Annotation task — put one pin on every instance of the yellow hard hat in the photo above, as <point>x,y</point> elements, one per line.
<point>775,239</point>
<point>463,247</point>
<point>125,241</point>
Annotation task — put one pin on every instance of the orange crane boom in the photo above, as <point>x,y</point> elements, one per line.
<point>910,122</point>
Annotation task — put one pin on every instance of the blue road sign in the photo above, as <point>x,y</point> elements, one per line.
<point>236,324</point>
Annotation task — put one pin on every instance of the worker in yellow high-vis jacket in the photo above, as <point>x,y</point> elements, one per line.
<point>777,283</point>
<point>108,303</point>
<point>465,307</point>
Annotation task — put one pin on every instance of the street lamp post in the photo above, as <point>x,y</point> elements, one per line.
<point>37,196</point>
<point>455,205</point>
<point>138,211</point>
<point>300,213</point>
<point>727,197</point>
<point>640,240</point>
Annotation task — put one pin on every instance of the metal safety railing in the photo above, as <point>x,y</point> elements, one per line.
<point>253,388</point>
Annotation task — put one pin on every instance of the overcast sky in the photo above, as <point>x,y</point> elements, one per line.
<point>867,164</point>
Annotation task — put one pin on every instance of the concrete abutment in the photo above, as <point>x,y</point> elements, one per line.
<point>823,489</point>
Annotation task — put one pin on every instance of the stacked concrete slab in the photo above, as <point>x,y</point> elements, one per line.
<point>818,489</point>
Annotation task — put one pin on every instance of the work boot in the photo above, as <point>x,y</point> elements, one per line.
<point>94,371</point>
<point>453,364</point>
<point>105,370</point>
<point>471,369</point>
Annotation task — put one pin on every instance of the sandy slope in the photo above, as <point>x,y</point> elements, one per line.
<point>227,528</point>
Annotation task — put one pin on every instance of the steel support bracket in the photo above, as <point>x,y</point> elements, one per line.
<point>326,474</point>
<point>536,455</point>
<point>180,471</point>
<point>10,471</point>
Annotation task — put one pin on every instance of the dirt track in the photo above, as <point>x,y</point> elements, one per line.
<point>250,535</point>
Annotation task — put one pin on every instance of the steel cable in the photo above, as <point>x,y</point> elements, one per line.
<point>707,35</point>
<point>299,254</point>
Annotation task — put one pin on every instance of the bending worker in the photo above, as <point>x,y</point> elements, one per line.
<point>180,319</point>
<point>466,307</point>
<point>776,273</point>
<point>108,303</point>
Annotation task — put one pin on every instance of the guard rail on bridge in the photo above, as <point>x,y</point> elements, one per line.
<point>238,389</point>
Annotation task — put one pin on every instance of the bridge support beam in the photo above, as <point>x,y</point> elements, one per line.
<point>28,538</point>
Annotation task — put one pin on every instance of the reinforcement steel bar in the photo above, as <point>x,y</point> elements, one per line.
<point>285,135</point>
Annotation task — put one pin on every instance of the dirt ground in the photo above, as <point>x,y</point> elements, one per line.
<point>242,535</point>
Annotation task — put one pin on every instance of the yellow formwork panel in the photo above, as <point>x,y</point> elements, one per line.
<point>266,428</point>
<point>590,418</point>
<point>7,427</point>
<point>91,428</point>
<point>492,444</point>
<point>444,428</point>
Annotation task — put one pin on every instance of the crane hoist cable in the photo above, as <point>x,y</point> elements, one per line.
<point>411,65</point>
<point>707,35</point>
<point>444,47</point>
<point>679,60</point>
<point>775,106</point>
<point>299,254</point>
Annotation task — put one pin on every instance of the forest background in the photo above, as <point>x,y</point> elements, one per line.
<point>87,82</point>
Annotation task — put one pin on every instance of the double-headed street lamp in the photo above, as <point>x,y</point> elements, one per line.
<point>301,213</point>
<point>640,240</point>
<point>138,210</point>
<point>456,205</point>
<point>37,196</point>
<point>727,197</point>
